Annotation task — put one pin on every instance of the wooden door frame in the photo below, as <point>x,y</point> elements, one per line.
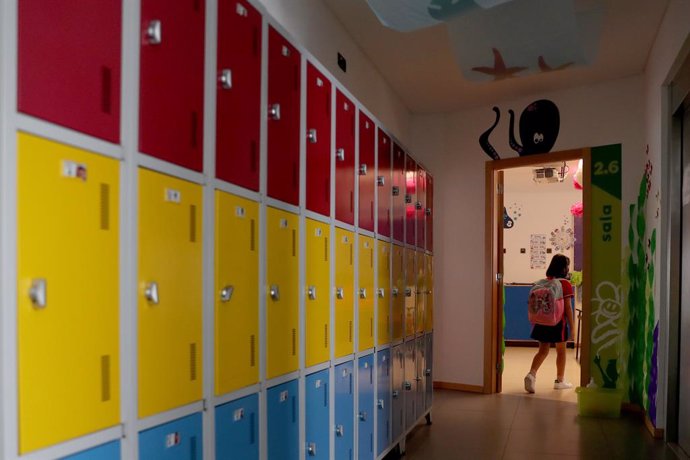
<point>493,319</point>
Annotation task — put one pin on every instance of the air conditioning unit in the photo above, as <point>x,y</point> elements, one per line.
<point>546,175</point>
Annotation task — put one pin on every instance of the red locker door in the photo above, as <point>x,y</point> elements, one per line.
<point>383,182</point>
<point>283,118</point>
<point>318,142</point>
<point>68,65</point>
<point>420,206</point>
<point>429,212</point>
<point>238,96</point>
<point>344,159</point>
<point>410,199</point>
<point>367,172</point>
<point>171,86</point>
<point>398,193</point>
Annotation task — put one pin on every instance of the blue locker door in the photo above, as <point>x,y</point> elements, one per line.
<point>428,371</point>
<point>176,440</point>
<point>283,421</point>
<point>110,451</point>
<point>365,409</point>
<point>410,384</point>
<point>237,429</point>
<point>397,396</point>
<point>383,405</point>
<point>317,432</point>
<point>344,411</point>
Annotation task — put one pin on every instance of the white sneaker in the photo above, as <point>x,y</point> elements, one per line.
<point>530,380</point>
<point>561,385</point>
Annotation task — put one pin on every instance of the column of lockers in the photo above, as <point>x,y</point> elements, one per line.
<point>195,281</point>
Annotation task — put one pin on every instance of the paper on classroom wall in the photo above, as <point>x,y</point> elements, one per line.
<point>537,251</point>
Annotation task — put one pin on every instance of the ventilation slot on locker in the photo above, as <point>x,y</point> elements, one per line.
<point>371,327</point>
<point>194,129</point>
<point>192,223</point>
<point>192,361</point>
<point>192,448</point>
<point>105,378</point>
<point>294,341</point>
<point>105,207</point>
<point>106,89</point>
<point>252,226</point>
<point>350,326</point>
<point>252,350</point>
<point>252,423</point>
<point>294,243</point>
<point>325,249</point>
<point>325,335</point>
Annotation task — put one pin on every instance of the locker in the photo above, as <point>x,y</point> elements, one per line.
<point>420,378</point>
<point>429,307</point>
<point>384,291</point>
<point>398,192</point>
<point>410,292</point>
<point>282,292</point>
<point>170,292</point>
<point>70,75</point>
<point>236,292</point>
<point>238,94</point>
<point>344,411</point>
<point>344,292</point>
<point>429,371</point>
<point>420,207</point>
<point>237,429</point>
<point>284,78</point>
<point>421,290</point>
<point>367,256</point>
<point>171,86</point>
<point>383,183</point>
<point>429,212</point>
<point>398,391</point>
<point>180,439</point>
<point>366,172</point>
<point>283,421</point>
<point>317,415</point>
<point>67,262</point>
<point>317,289</point>
<point>398,292</point>
<point>383,403</point>
<point>365,407</point>
<point>410,384</point>
<point>410,200</point>
<point>318,142</point>
<point>344,159</point>
<point>109,451</point>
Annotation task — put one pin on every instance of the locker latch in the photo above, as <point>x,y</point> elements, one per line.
<point>363,169</point>
<point>311,292</point>
<point>340,293</point>
<point>380,181</point>
<point>381,292</point>
<point>311,449</point>
<point>274,292</point>
<point>408,292</point>
<point>151,293</point>
<point>427,372</point>
<point>407,386</point>
<point>363,416</point>
<point>394,292</point>
<point>154,32</point>
<point>408,199</point>
<point>38,292</point>
<point>340,154</point>
<point>396,190</point>
<point>274,111</point>
<point>225,79</point>
<point>311,136</point>
<point>380,404</point>
<point>339,431</point>
<point>418,205</point>
<point>362,293</point>
<point>226,293</point>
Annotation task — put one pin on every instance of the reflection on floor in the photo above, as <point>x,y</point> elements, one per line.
<point>515,425</point>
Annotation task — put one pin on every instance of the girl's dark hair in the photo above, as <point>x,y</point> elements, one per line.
<point>558,268</point>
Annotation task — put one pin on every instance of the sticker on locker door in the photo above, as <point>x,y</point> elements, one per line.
<point>74,170</point>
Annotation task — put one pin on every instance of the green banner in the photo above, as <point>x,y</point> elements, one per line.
<point>608,317</point>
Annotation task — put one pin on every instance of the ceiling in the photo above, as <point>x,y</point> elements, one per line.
<point>421,68</point>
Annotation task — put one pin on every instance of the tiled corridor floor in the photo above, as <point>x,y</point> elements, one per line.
<point>517,426</point>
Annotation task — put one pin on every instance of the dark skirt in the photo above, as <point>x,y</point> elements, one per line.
<point>551,334</point>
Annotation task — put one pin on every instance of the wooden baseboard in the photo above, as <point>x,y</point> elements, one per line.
<point>637,411</point>
<point>458,387</point>
<point>657,433</point>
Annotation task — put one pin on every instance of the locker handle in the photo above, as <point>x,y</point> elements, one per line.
<point>311,136</point>
<point>154,32</point>
<point>38,293</point>
<point>427,372</point>
<point>428,211</point>
<point>363,169</point>
<point>363,293</point>
<point>274,111</point>
<point>339,431</point>
<point>407,386</point>
<point>151,293</point>
<point>363,416</point>
<point>380,404</point>
<point>340,154</point>
<point>380,181</point>
<point>381,292</point>
<point>311,292</point>
<point>395,394</point>
<point>408,292</point>
<point>396,190</point>
<point>340,293</point>
<point>226,293</point>
<point>395,292</point>
<point>311,449</point>
<point>418,205</point>
<point>274,292</point>
<point>225,79</point>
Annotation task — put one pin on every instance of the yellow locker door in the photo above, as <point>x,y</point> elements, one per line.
<point>420,302</point>
<point>170,278</point>
<point>384,291</point>
<point>398,291</point>
<point>344,292</point>
<point>429,293</point>
<point>68,292</point>
<point>236,292</point>
<point>282,301</point>
<point>410,288</point>
<point>366,292</point>
<point>317,304</point>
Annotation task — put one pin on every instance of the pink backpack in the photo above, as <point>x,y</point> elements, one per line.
<point>545,303</point>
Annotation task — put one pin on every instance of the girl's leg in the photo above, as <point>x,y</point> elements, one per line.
<point>560,361</point>
<point>539,357</point>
